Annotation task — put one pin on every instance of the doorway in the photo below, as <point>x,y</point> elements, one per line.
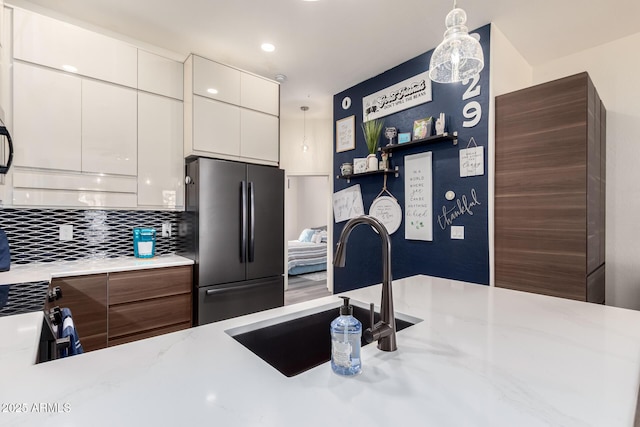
<point>307,216</point>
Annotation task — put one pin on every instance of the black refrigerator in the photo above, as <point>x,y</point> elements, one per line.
<point>233,229</point>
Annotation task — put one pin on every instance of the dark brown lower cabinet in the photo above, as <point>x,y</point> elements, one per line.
<point>86,297</point>
<point>550,190</point>
<point>146,303</point>
<point>116,308</point>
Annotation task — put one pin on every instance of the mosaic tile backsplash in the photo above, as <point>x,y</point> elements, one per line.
<point>33,234</point>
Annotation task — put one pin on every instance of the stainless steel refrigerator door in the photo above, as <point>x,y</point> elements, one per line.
<point>266,221</point>
<point>226,301</point>
<point>219,222</point>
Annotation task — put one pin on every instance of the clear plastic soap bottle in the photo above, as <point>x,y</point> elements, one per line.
<point>346,332</point>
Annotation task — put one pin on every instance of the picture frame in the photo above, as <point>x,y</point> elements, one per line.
<point>346,134</point>
<point>360,165</point>
<point>404,137</point>
<point>423,128</point>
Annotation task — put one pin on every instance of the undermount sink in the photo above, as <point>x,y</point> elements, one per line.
<point>300,341</point>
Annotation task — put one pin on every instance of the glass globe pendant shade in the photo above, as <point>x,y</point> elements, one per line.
<point>459,56</point>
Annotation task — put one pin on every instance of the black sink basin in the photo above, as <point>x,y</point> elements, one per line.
<point>299,344</point>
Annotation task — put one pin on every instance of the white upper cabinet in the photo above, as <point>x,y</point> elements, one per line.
<point>108,133</point>
<point>259,94</point>
<point>229,113</point>
<point>46,118</point>
<point>160,75</point>
<point>56,44</point>
<point>109,128</point>
<point>259,135</point>
<point>216,127</point>
<point>160,160</point>
<point>216,81</point>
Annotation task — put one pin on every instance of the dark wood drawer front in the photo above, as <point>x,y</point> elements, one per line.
<point>86,297</point>
<point>128,286</point>
<point>127,319</point>
<point>149,334</point>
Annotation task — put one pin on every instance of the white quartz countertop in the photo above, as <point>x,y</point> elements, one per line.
<point>481,356</point>
<point>36,272</point>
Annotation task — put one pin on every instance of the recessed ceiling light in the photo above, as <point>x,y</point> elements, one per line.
<point>212,91</point>
<point>69,68</point>
<point>268,47</point>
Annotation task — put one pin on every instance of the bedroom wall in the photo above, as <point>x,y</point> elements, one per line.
<point>465,260</point>
<point>306,205</point>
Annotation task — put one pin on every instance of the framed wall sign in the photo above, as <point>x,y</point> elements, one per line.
<point>404,137</point>
<point>418,197</point>
<point>472,160</point>
<point>347,203</point>
<point>346,134</point>
<point>422,128</point>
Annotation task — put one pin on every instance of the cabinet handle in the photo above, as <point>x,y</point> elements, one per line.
<point>4,169</point>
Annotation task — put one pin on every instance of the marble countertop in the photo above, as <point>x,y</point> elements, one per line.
<point>36,272</point>
<point>481,356</point>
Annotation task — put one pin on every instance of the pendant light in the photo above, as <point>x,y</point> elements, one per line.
<point>459,56</point>
<point>305,147</point>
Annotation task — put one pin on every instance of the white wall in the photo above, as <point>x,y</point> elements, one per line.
<point>613,68</point>
<point>509,72</point>
<point>318,159</point>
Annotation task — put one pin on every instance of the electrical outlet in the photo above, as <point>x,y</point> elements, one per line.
<point>457,232</point>
<point>66,232</point>
<point>166,229</point>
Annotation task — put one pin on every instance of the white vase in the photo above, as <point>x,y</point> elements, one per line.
<point>372,162</point>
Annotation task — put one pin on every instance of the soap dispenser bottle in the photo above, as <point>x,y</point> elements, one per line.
<point>346,332</point>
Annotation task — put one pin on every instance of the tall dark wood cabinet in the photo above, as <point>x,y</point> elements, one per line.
<point>550,190</point>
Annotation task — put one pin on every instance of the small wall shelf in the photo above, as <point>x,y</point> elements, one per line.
<point>429,140</point>
<point>394,171</point>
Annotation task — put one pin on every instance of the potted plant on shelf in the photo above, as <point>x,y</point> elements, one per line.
<point>372,130</point>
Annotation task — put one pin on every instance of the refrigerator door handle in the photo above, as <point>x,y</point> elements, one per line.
<point>252,218</point>
<point>243,224</point>
<point>220,290</point>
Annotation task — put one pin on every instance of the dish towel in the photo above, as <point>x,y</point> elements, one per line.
<point>69,330</point>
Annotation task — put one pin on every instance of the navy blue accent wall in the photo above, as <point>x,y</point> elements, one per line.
<point>465,260</point>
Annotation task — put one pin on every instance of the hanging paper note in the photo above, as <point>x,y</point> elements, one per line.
<point>347,203</point>
<point>418,201</point>
<point>471,160</point>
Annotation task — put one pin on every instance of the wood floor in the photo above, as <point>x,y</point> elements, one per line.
<point>302,289</point>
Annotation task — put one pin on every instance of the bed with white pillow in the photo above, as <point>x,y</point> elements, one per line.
<point>308,254</point>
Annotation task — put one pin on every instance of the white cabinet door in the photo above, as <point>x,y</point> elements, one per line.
<point>46,118</point>
<point>216,127</point>
<point>47,41</point>
<point>160,75</point>
<point>160,160</point>
<point>109,128</point>
<point>259,136</point>
<point>216,81</point>
<point>259,94</point>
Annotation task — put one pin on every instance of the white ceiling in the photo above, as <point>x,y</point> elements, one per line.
<point>326,46</point>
